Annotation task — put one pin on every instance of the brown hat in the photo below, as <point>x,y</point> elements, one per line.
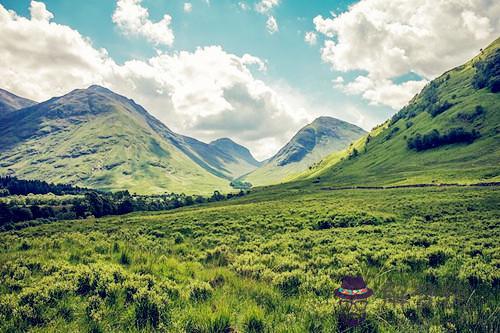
<point>353,287</point>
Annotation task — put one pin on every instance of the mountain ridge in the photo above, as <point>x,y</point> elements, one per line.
<point>10,102</point>
<point>308,146</point>
<point>121,146</point>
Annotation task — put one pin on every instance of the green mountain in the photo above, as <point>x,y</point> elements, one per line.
<point>311,143</point>
<point>448,133</point>
<point>97,138</point>
<point>10,102</point>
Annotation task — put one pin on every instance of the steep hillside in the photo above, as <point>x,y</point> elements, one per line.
<point>311,143</point>
<point>10,102</point>
<point>450,132</point>
<point>96,138</point>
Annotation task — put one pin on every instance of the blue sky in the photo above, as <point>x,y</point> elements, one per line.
<point>375,70</point>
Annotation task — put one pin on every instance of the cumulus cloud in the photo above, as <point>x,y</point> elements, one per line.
<point>381,91</point>
<point>265,6</point>
<point>133,20</point>
<point>389,39</point>
<point>311,38</point>
<point>39,12</point>
<point>272,25</point>
<point>188,7</point>
<point>208,93</point>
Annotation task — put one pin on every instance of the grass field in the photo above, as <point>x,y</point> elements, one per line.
<point>268,262</point>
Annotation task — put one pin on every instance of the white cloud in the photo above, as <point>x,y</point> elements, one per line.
<point>388,39</point>
<point>133,20</point>
<point>338,81</point>
<point>39,58</point>
<point>265,6</point>
<point>382,91</point>
<point>39,12</point>
<point>272,25</point>
<point>243,6</point>
<point>311,38</point>
<point>188,7</point>
<point>208,93</point>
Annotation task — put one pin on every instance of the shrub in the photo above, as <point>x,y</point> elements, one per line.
<point>437,257</point>
<point>254,324</point>
<point>488,73</point>
<point>476,272</point>
<point>434,139</point>
<point>220,256</point>
<point>288,283</point>
<point>479,111</point>
<point>200,291</point>
<point>125,258</point>
<point>391,133</point>
<point>178,238</point>
<point>220,324</point>
<point>150,309</point>
<point>437,109</point>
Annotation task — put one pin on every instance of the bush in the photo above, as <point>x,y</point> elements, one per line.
<point>488,73</point>
<point>479,111</point>
<point>437,109</point>
<point>220,256</point>
<point>434,139</point>
<point>254,324</point>
<point>288,283</point>
<point>150,309</point>
<point>220,324</point>
<point>200,291</point>
<point>351,220</point>
<point>125,259</point>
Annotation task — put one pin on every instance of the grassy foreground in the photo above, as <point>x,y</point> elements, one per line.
<point>263,263</point>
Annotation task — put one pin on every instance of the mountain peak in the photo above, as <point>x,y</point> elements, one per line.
<point>100,89</point>
<point>10,102</point>
<point>224,141</point>
<point>229,146</point>
<point>324,134</point>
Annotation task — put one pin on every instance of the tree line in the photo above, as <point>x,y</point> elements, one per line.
<point>434,139</point>
<point>84,202</point>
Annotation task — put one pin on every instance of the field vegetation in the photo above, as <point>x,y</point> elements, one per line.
<point>266,262</point>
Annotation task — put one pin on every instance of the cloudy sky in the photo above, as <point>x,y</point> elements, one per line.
<point>252,70</point>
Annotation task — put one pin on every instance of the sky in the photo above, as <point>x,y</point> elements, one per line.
<point>255,71</point>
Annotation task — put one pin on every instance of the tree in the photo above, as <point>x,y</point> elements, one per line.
<point>217,196</point>
<point>125,207</point>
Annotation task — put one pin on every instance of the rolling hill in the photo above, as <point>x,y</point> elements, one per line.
<point>311,143</point>
<point>96,138</point>
<point>10,102</point>
<point>448,133</point>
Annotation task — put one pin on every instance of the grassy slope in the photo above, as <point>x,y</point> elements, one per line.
<point>334,135</point>
<point>114,150</point>
<point>261,261</point>
<point>391,162</point>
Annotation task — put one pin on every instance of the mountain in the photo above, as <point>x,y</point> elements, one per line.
<point>241,162</point>
<point>236,150</point>
<point>448,133</point>
<point>311,143</point>
<point>10,102</point>
<point>96,138</point>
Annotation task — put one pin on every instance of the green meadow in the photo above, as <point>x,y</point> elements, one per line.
<point>267,262</point>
